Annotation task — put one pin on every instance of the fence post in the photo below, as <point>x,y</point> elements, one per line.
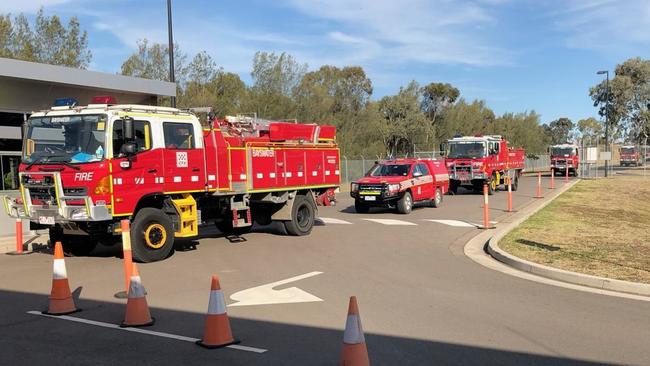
<point>363,164</point>
<point>347,174</point>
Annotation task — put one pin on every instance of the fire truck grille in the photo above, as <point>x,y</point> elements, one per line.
<point>75,191</point>
<point>371,187</point>
<point>42,194</point>
<point>466,169</point>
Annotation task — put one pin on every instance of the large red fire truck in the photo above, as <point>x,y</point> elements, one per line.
<point>400,183</point>
<point>563,157</point>
<point>477,160</point>
<point>631,155</point>
<point>86,168</point>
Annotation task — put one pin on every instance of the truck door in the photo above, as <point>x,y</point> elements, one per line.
<point>424,182</point>
<point>137,175</point>
<point>183,158</point>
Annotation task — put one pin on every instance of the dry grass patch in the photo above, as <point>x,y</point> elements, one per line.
<point>598,227</point>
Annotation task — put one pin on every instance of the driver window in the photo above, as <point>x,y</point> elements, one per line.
<point>142,136</point>
<point>423,169</point>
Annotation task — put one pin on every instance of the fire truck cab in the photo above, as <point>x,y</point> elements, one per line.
<point>563,157</point>
<point>86,168</point>
<point>631,155</point>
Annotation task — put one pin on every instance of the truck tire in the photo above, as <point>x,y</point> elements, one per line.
<point>152,235</point>
<point>361,207</point>
<point>515,183</point>
<point>453,186</point>
<point>303,214</point>
<point>74,245</point>
<point>437,198</point>
<point>405,204</point>
<point>492,186</point>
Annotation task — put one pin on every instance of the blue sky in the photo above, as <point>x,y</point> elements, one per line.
<point>517,55</point>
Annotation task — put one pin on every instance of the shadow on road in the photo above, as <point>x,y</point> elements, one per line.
<point>37,341</point>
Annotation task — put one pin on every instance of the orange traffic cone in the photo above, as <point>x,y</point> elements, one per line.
<point>137,310</point>
<point>354,343</point>
<point>61,301</point>
<point>217,325</point>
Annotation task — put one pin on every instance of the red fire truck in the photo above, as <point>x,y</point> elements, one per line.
<point>563,157</point>
<point>630,155</point>
<point>85,168</point>
<point>401,183</point>
<point>477,160</point>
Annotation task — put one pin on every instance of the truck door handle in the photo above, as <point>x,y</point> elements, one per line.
<point>152,170</point>
<point>195,169</point>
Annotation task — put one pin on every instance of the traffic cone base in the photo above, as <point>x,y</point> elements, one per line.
<point>61,307</point>
<point>354,354</point>
<point>137,309</point>
<point>60,299</point>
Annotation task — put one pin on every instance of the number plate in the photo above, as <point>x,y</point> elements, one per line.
<point>46,220</point>
<point>370,198</point>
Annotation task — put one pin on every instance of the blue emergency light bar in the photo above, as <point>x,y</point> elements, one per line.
<point>62,102</point>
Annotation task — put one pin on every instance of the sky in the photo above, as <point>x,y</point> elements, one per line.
<point>517,55</point>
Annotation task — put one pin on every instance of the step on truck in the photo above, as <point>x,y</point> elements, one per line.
<point>473,161</point>
<point>400,184</point>
<point>563,157</point>
<point>86,168</point>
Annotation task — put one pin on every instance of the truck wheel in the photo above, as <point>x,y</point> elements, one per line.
<point>492,186</point>
<point>515,183</point>
<point>152,235</point>
<point>361,207</point>
<point>74,245</point>
<point>405,204</point>
<point>437,199</point>
<point>453,186</point>
<point>303,215</point>
<point>226,228</point>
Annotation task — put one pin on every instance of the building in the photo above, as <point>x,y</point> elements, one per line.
<point>26,87</point>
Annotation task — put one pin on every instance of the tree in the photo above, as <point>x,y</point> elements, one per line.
<point>590,129</point>
<point>522,130</point>
<point>48,42</point>
<point>403,120</point>
<point>465,119</point>
<point>152,62</point>
<point>559,131</point>
<point>437,96</point>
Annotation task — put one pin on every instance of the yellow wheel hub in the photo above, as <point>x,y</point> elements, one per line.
<point>155,236</point>
<point>493,184</point>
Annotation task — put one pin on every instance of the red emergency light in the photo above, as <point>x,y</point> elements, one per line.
<point>103,99</point>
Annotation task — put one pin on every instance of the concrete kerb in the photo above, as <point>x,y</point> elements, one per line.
<point>477,247</point>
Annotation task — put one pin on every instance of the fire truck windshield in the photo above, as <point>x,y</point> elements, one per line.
<point>390,170</point>
<point>627,150</point>
<point>562,151</point>
<point>65,139</point>
<point>469,150</point>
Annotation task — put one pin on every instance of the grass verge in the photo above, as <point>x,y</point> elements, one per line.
<point>598,227</point>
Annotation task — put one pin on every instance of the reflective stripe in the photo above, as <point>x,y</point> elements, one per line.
<point>272,175</point>
<point>327,172</point>
<point>289,174</point>
<point>260,175</point>
<point>300,174</point>
<point>195,178</point>
<point>58,270</point>
<point>314,173</point>
<point>336,172</point>
<point>353,332</point>
<point>212,177</point>
<point>242,176</point>
<point>135,287</point>
<point>178,179</point>
<point>217,303</point>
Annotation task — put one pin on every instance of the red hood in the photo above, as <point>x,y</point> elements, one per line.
<point>386,179</point>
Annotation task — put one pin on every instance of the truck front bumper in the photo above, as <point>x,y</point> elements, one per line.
<point>57,209</point>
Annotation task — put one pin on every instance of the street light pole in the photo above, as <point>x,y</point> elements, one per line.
<point>171,48</point>
<point>606,72</point>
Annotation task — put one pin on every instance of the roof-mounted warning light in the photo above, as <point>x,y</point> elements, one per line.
<point>65,102</point>
<point>103,99</point>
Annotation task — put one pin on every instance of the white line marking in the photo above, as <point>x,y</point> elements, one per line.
<point>455,223</point>
<point>266,295</point>
<point>330,220</point>
<point>142,331</point>
<point>391,222</point>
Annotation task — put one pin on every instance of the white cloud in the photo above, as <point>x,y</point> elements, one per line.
<point>604,24</point>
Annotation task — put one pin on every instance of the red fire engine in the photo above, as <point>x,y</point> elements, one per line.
<point>401,183</point>
<point>477,160</point>
<point>563,157</point>
<point>86,168</point>
<point>630,155</point>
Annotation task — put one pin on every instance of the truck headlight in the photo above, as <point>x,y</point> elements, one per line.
<point>394,187</point>
<point>354,187</point>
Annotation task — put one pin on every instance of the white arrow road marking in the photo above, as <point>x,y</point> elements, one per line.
<point>391,222</point>
<point>140,330</point>
<point>331,220</point>
<point>455,223</point>
<point>265,294</point>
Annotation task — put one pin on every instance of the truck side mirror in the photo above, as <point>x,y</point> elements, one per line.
<point>129,129</point>
<point>443,149</point>
<point>128,148</point>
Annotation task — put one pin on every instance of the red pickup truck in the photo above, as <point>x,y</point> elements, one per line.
<point>401,183</point>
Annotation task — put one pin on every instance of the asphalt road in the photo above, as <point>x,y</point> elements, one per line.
<point>422,302</point>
